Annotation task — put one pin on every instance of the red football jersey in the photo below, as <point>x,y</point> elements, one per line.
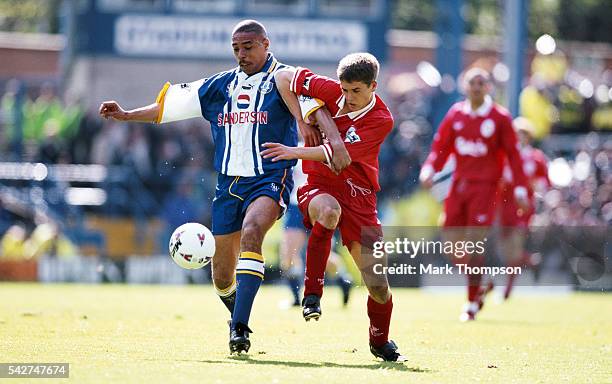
<point>535,167</point>
<point>363,131</point>
<point>480,140</point>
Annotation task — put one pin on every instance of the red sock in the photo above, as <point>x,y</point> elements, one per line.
<point>317,253</point>
<point>474,286</point>
<point>522,262</point>
<point>474,279</point>
<point>380,318</point>
<point>509,285</point>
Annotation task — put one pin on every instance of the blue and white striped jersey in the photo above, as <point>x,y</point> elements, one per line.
<point>244,112</point>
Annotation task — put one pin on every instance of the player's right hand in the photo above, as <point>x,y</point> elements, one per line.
<point>426,177</point>
<point>277,151</point>
<point>112,109</point>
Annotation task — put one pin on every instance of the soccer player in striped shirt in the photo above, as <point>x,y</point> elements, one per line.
<point>245,110</point>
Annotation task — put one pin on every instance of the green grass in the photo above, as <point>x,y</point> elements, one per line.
<point>173,334</point>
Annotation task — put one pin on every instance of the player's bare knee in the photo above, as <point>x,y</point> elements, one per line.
<point>223,278</point>
<point>222,284</point>
<point>252,237</point>
<point>330,216</point>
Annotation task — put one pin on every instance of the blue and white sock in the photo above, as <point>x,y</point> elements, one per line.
<point>249,275</point>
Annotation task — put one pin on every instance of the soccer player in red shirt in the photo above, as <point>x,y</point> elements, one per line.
<point>346,200</point>
<point>513,218</point>
<point>478,132</point>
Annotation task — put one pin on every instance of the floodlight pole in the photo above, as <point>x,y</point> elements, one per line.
<point>516,13</point>
<point>18,122</point>
<point>449,55</point>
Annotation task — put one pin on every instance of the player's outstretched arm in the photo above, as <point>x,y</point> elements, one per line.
<point>311,136</point>
<point>509,144</point>
<point>277,151</point>
<point>112,110</point>
<point>441,148</point>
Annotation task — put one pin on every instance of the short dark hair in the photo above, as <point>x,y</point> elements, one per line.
<point>248,26</point>
<point>358,67</point>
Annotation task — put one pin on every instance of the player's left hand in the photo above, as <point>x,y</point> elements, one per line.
<point>311,135</point>
<point>426,177</point>
<point>340,158</point>
<point>523,203</point>
<point>277,151</point>
<point>521,197</point>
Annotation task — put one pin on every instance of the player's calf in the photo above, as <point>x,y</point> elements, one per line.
<point>223,268</point>
<point>324,213</point>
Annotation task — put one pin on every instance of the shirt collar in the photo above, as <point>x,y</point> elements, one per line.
<point>482,111</point>
<point>270,63</point>
<point>356,115</point>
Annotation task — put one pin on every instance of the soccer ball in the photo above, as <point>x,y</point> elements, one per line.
<point>192,246</point>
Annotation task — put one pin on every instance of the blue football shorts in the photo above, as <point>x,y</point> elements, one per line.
<point>234,194</point>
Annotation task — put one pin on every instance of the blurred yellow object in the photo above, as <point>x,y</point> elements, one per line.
<point>419,209</point>
<point>12,243</point>
<point>40,241</point>
<point>43,240</point>
<point>551,68</point>
<point>36,114</point>
<point>539,110</point>
<point>602,118</point>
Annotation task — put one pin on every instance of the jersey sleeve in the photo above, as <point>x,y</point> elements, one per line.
<point>442,145</point>
<point>179,101</point>
<point>308,105</point>
<point>307,83</point>
<point>509,144</point>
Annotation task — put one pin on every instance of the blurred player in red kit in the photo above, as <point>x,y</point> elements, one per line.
<point>478,132</point>
<point>513,218</point>
<point>347,200</point>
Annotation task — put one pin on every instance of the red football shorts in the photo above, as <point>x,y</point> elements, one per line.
<point>470,203</point>
<point>358,220</point>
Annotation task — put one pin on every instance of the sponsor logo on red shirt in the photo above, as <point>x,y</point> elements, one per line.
<point>467,147</point>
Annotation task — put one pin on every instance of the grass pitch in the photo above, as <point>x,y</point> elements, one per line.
<point>174,334</point>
